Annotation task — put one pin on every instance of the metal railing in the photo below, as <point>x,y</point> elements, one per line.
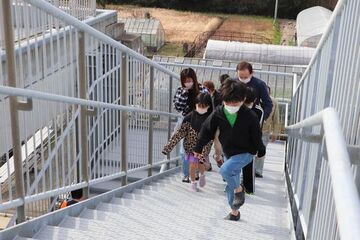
<point>29,21</point>
<point>283,84</point>
<point>72,130</point>
<point>321,176</point>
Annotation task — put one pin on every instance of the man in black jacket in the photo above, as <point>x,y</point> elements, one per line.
<point>240,137</point>
<point>263,101</point>
<point>245,75</point>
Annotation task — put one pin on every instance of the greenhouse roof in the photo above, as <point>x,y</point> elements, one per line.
<point>141,25</point>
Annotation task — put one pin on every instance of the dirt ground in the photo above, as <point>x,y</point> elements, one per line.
<point>183,26</point>
<point>248,24</point>
<point>179,26</point>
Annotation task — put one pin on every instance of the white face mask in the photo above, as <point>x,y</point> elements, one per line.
<point>232,109</point>
<point>201,110</point>
<point>246,80</point>
<point>189,85</point>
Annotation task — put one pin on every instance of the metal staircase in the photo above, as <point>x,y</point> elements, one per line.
<point>163,207</point>
<point>109,112</point>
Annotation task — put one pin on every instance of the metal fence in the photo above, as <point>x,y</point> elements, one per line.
<point>323,150</point>
<point>29,21</point>
<point>282,84</point>
<point>69,129</point>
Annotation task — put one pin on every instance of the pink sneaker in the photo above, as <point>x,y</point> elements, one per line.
<point>202,181</point>
<point>194,187</point>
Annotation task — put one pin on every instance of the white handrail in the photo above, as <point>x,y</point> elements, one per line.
<point>71,100</point>
<point>56,12</point>
<point>346,198</point>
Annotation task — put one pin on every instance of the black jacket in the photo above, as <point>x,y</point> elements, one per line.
<point>216,98</point>
<point>244,137</point>
<point>261,93</point>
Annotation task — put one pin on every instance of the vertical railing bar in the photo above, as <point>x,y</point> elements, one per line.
<point>124,120</point>
<point>14,116</point>
<point>106,112</point>
<point>83,113</point>
<point>169,120</point>
<point>151,129</point>
<point>102,116</point>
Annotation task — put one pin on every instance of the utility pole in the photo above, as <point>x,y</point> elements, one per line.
<point>276,10</point>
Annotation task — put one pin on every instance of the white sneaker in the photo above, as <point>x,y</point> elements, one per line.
<point>194,187</point>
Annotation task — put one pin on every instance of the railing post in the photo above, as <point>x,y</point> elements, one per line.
<point>83,114</point>
<point>170,110</point>
<point>14,116</point>
<point>151,128</point>
<point>124,117</point>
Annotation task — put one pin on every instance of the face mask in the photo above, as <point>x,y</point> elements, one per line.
<point>232,109</point>
<point>189,85</point>
<point>246,80</point>
<point>202,110</point>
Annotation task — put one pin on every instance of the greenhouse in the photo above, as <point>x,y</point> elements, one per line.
<point>151,31</point>
<point>260,53</point>
<point>310,25</point>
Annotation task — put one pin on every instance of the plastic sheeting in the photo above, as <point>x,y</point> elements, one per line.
<point>311,24</point>
<point>260,53</point>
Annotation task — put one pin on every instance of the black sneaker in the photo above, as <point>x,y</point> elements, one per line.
<point>232,217</point>
<point>258,175</point>
<point>239,198</point>
<point>186,180</point>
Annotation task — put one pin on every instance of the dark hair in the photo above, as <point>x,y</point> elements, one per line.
<point>190,73</point>
<point>77,194</point>
<point>250,95</point>
<point>204,99</point>
<point>209,85</point>
<point>223,77</point>
<point>233,91</point>
<point>243,66</point>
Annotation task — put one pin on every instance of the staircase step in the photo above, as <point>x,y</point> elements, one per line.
<point>59,233</point>
<point>23,238</point>
<point>126,222</point>
<point>97,226</point>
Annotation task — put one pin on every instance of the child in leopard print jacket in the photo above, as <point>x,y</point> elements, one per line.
<point>189,130</point>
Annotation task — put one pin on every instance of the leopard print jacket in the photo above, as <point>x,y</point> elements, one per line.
<point>190,138</point>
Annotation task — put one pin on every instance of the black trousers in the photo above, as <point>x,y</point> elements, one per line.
<point>249,177</point>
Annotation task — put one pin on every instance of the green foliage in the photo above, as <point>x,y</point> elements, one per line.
<point>172,49</point>
<point>277,33</point>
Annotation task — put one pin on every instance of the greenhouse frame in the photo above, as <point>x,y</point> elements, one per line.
<point>151,31</point>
